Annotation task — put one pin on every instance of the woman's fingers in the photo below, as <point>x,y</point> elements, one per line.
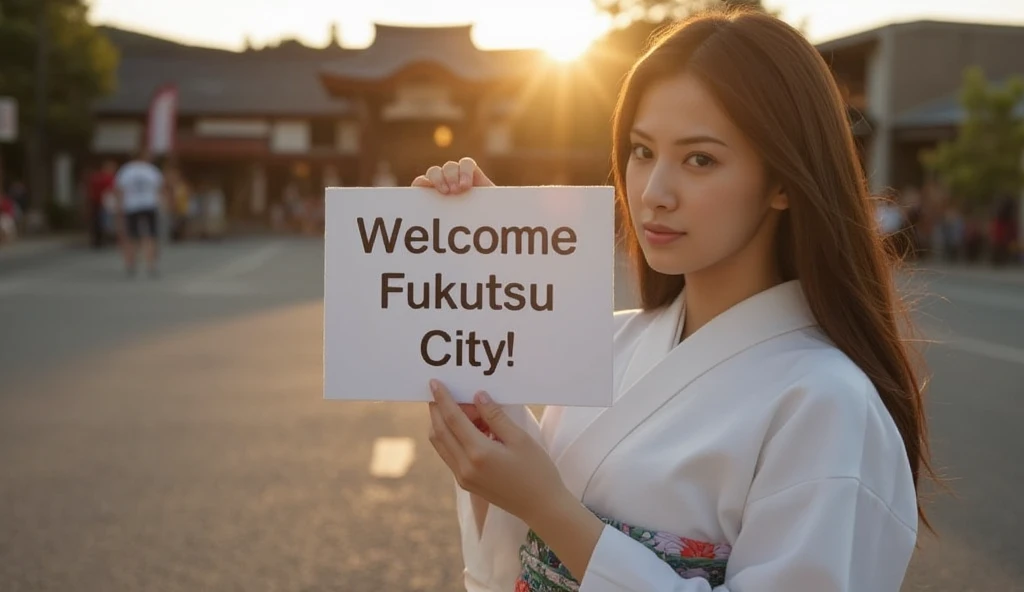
<point>451,176</point>
<point>454,177</point>
<point>436,178</point>
<point>471,175</point>
<point>444,441</point>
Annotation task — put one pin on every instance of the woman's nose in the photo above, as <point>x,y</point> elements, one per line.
<point>661,190</point>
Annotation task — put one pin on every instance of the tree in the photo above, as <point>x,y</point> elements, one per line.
<point>984,161</point>
<point>626,12</point>
<point>78,66</point>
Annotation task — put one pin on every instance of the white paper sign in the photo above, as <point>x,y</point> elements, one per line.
<point>503,289</point>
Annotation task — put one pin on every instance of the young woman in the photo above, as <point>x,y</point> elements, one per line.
<point>768,429</point>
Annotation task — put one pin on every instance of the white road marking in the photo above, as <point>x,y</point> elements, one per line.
<point>213,289</point>
<point>213,282</point>
<point>997,299</point>
<point>988,349</point>
<point>392,457</point>
<point>248,263</point>
<point>12,286</point>
<point>996,351</point>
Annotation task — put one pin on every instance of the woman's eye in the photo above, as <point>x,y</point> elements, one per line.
<point>700,160</point>
<point>641,152</point>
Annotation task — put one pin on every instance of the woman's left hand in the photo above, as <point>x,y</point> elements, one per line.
<point>512,471</point>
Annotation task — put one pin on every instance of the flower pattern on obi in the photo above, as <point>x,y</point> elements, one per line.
<point>543,572</point>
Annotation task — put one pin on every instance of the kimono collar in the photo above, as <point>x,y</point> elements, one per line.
<point>661,367</point>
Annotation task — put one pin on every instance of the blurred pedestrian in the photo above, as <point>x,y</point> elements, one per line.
<point>100,184</point>
<point>140,189</point>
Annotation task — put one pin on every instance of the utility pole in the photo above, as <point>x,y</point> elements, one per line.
<point>39,191</point>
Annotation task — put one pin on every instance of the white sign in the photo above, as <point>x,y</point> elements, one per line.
<point>8,119</point>
<point>503,289</point>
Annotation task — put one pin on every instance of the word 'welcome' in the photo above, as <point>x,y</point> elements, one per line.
<point>460,240</point>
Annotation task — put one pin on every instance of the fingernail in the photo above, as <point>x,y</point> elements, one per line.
<point>483,398</point>
<point>434,385</point>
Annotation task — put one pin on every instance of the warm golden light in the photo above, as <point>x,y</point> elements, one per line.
<point>568,47</point>
<point>443,136</point>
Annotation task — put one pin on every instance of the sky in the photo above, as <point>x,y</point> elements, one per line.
<point>551,24</point>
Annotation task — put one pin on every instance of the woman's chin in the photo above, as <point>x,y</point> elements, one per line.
<point>667,265</point>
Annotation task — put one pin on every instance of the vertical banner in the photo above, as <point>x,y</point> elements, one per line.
<point>162,121</point>
<point>8,119</point>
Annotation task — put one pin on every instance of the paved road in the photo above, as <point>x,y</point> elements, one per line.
<point>170,435</point>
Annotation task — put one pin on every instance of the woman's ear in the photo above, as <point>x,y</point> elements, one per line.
<point>779,200</point>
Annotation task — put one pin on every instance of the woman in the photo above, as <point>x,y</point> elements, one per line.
<point>768,429</point>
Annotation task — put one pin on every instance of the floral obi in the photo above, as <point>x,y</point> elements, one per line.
<point>543,572</point>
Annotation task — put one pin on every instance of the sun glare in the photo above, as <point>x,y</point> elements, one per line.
<point>566,46</point>
<point>564,32</point>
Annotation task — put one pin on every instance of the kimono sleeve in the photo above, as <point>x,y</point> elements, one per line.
<point>849,528</point>
<point>491,556</point>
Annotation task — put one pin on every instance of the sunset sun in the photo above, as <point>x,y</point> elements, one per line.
<point>564,29</point>
<point>566,46</point>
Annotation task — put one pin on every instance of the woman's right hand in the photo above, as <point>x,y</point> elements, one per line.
<point>454,178</point>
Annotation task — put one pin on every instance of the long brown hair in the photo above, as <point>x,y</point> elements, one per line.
<point>778,90</point>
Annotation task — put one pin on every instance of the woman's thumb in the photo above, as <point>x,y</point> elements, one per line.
<point>500,423</point>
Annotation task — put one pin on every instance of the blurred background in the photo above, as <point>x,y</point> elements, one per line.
<point>170,433</point>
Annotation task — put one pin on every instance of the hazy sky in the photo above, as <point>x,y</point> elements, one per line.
<point>500,23</point>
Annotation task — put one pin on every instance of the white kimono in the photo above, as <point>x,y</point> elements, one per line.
<point>755,432</point>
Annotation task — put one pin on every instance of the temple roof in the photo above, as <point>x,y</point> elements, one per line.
<point>396,48</point>
<point>280,81</point>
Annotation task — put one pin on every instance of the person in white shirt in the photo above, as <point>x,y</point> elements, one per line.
<point>768,431</point>
<point>141,189</point>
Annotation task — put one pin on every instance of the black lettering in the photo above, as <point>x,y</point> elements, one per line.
<point>514,292</point>
<point>425,303</point>
<point>517,233</point>
<point>386,289</point>
<point>557,239</point>
<point>479,304</point>
<point>494,240</point>
<point>458,348</point>
<point>378,226</point>
<point>443,293</point>
<point>472,342</point>
<point>492,291</point>
<point>424,347</point>
<point>416,233</point>
<point>451,240</point>
<point>535,305</point>
<point>437,237</point>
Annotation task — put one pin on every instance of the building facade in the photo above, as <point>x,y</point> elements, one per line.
<point>902,80</point>
<point>260,121</point>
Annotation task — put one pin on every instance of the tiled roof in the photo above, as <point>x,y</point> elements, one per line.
<point>237,84</point>
<point>395,48</point>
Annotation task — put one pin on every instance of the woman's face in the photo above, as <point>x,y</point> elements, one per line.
<point>696,186</point>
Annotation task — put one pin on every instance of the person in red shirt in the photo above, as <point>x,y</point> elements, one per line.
<point>99,184</point>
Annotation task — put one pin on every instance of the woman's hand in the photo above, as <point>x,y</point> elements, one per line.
<point>454,177</point>
<point>510,470</point>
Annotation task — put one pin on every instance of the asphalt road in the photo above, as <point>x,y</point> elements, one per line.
<point>171,434</point>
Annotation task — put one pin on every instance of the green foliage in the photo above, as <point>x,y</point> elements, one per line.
<point>81,63</point>
<point>983,162</point>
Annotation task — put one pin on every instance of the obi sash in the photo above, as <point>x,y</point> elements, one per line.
<point>543,572</point>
